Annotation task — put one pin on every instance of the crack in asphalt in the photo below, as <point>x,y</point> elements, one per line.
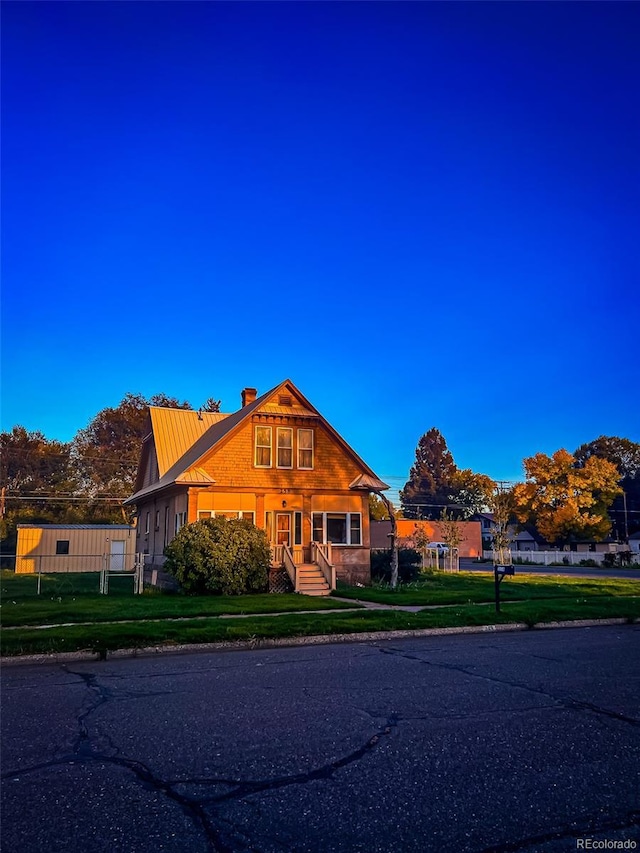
<point>248,787</point>
<point>83,751</point>
<point>568,703</point>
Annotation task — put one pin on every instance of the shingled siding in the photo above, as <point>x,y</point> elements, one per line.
<point>234,466</point>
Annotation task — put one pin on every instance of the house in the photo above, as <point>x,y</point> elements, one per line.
<point>521,538</point>
<point>277,462</point>
<point>634,544</point>
<point>75,548</point>
<point>406,529</point>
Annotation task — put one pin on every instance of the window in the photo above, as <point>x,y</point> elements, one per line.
<point>339,528</point>
<point>157,519</point>
<point>166,525</point>
<point>285,447</point>
<point>354,529</point>
<point>147,522</point>
<point>62,546</point>
<point>263,447</point>
<point>297,528</point>
<point>181,520</point>
<point>305,449</point>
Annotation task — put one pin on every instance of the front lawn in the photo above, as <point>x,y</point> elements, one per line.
<point>164,619</point>
<point>107,637</point>
<point>468,587</point>
<point>74,598</point>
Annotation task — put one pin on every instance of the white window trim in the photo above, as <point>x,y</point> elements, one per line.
<point>278,431</point>
<point>180,521</point>
<point>256,445</point>
<point>312,449</point>
<point>348,515</point>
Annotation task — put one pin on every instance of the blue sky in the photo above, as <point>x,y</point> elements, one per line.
<point>424,214</point>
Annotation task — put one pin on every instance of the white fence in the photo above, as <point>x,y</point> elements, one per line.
<point>547,558</point>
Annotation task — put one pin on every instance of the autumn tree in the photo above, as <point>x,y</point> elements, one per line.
<point>565,501</point>
<point>377,509</point>
<point>625,455</point>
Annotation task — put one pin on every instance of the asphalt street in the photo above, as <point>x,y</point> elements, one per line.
<point>524,741</point>
<point>469,565</point>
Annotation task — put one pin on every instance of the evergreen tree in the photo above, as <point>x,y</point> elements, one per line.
<point>431,479</point>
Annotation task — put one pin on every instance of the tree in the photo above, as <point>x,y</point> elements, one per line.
<point>625,455</point>
<point>217,556</point>
<point>622,452</point>
<point>452,537</point>
<point>436,483</point>
<point>428,489</point>
<point>106,452</point>
<point>377,509</point>
<point>564,501</point>
<point>33,471</point>
<point>501,505</point>
<point>471,492</point>
<point>211,405</point>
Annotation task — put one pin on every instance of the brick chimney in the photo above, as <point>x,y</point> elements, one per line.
<point>248,396</point>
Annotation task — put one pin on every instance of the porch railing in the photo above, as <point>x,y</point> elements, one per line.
<point>321,556</point>
<point>277,554</point>
<point>290,565</point>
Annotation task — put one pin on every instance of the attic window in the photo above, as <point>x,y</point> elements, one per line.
<point>285,400</point>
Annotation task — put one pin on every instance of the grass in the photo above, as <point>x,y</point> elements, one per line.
<point>75,599</point>
<point>530,600</point>
<point>467,587</point>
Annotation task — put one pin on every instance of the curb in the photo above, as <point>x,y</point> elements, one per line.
<point>313,640</point>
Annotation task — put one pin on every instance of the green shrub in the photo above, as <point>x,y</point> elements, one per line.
<point>409,564</point>
<point>216,556</point>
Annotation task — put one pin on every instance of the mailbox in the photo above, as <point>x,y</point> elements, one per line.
<point>505,570</point>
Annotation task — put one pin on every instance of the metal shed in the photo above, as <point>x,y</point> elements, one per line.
<point>75,548</point>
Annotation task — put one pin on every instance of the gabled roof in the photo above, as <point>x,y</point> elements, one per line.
<point>176,430</point>
<point>185,468</point>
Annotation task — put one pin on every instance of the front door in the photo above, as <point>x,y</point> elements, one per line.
<point>283,528</point>
<point>116,562</point>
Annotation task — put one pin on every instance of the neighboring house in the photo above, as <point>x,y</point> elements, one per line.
<point>470,534</point>
<point>277,462</point>
<point>634,543</point>
<point>521,539</point>
<point>75,547</point>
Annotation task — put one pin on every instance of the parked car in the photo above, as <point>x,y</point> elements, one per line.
<point>440,547</point>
